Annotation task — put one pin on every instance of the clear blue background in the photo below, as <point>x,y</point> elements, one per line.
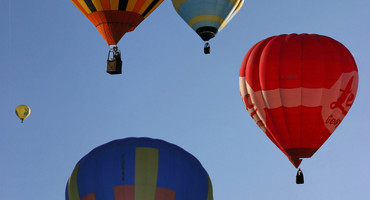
<point>53,59</point>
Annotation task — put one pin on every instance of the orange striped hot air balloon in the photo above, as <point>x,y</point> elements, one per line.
<point>114,18</point>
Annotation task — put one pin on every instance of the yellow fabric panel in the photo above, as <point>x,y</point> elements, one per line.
<point>84,6</point>
<point>210,190</point>
<point>238,5</point>
<point>235,2</point>
<point>97,5</point>
<point>177,4</point>
<point>72,185</point>
<point>79,8</point>
<point>155,7</point>
<point>144,7</point>
<point>146,173</point>
<point>131,5</point>
<point>114,4</point>
<point>200,18</point>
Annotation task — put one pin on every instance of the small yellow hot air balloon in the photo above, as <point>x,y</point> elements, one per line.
<point>22,111</point>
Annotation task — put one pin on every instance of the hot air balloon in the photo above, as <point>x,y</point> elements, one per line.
<point>298,88</point>
<point>22,111</point>
<point>207,17</point>
<point>114,18</point>
<point>139,169</point>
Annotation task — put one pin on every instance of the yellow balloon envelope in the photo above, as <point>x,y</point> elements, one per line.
<point>22,112</point>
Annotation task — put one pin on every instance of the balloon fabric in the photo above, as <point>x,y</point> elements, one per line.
<point>298,88</point>
<point>139,169</point>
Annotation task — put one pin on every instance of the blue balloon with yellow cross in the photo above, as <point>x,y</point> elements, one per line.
<point>139,169</point>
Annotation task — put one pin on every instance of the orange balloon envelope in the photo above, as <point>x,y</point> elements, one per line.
<point>114,18</point>
<point>298,88</point>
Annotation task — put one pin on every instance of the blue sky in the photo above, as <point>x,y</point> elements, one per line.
<point>53,59</point>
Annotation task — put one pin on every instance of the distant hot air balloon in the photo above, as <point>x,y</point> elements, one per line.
<point>298,88</point>
<point>207,17</point>
<point>114,18</point>
<point>139,169</point>
<point>22,111</point>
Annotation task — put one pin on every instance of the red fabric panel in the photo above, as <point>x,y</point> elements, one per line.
<point>252,61</point>
<point>113,24</point>
<point>127,192</point>
<point>138,5</point>
<point>347,61</point>
<point>164,194</point>
<point>272,138</point>
<point>314,66</point>
<point>298,132</point>
<point>269,66</point>
<point>297,128</point>
<point>124,192</point>
<point>105,4</point>
<point>90,196</point>
<point>278,59</point>
<point>276,123</point>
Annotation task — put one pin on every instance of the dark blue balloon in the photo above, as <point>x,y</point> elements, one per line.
<point>139,169</point>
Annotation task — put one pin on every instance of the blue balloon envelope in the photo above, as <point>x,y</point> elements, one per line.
<point>207,17</point>
<point>139,169</point>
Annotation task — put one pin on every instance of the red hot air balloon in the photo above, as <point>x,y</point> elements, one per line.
<point>298,88</point>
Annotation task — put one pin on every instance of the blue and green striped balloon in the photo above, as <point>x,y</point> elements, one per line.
<point>139,169</point>
<point>207,17</point>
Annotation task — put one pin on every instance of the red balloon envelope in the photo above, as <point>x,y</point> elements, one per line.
<point>298,88</point>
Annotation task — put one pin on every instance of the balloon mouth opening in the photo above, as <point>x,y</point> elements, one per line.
<point>295,155</point>
<point>207,32</point>
<point>113,24</point>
